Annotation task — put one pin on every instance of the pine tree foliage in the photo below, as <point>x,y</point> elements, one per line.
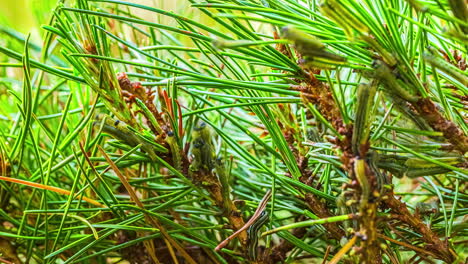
<point>236,131</point>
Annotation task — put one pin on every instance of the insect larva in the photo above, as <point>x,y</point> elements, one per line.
<point>401,166</point>
<point>230,44</point>
<point>420,172</point>
<point>196,153</point>
<point>252,234</point>
<point>345,16</point>
<point>116,128</point>
<point>201,130</point>
<point>388,79</point>
<point>446,67</point>
<point>175,150</point>
<point>360,172</point>
<point>121,131</point>
<point>311,48</point>
<point>301,39</point>
<point>420,163</point>
<point>224,180</point>
<point>202,155</point>
<point>202,149</point>
<point>365,97</point>
<point>329,12</point>
<point>402,106</point>
<point>349,21</point>
<point>387,57</point>
<point>382,179</point>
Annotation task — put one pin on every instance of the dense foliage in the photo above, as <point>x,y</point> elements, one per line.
<point>320,131</point>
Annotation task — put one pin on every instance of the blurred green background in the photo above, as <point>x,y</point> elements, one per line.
<point>26,16</point>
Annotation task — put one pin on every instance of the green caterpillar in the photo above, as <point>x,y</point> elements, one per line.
<point>202,148</point>
<point>412,167</point>
<point>224,180</point>
<point>418,163</point>
<point>343,16</point>
<point>301,39</point>
<point>360,172</point>
<point>175,150</point>
<point>382,179</point>
<point>311,48</point>
<point>392,85</point>
<point>365,98</point>
<point>202,155</point>
<point>445,66</point>
<point>121,131</point>
<point>252,235</point>
<point>202,131</point>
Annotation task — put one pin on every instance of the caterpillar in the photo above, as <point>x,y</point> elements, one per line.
<point>202,149</point>
<point>121,131</point>
<point>365,97</point>
<point>311,48</point>
<point>445,66</point>
<point>252,235</point>
<point>388,79</point>
<point>345,16</point>
<point>198,150</point>
<point>420,163</point>
<point>382,179</point>
<point>419,172</point>
<point>301,39</point>
<point>401,166</point>
<point>224,180</point>
<point>202,131</point>
<point>360,172</point>
<point>116,128</point>
<point>175,150</point>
